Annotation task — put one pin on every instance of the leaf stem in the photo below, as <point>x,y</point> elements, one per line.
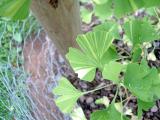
<point>114,99</point>
<point>96,89</point>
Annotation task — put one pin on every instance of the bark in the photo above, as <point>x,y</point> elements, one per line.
<point>60,19</point>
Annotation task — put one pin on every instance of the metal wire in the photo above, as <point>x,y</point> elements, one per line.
<point>28,72</point>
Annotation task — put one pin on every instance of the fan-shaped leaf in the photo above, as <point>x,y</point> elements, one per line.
<point>86,15</point>
<point>143,83</point>
<point>103,11</point>
<point>100,1</point>
<point>139,31</point>
<point>132,5</point>
<point>94,45</point>
<point>117,8</point>
<point>112,71</point>
<point>15,9</point>
<point>109,26</point>
<point>108,114</point>
<point>68,95</point>
<point>143,106</point>
<point>78,114</point>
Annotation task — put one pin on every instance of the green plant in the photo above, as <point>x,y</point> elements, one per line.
<point>14,9</point>
<point>98,51</point>
<point>12,35</point>
<point>106,9</point>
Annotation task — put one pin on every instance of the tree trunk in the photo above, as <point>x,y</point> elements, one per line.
<point>60,19</point>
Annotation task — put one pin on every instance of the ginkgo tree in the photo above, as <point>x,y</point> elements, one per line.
<point>118,8</point>
<point>144,85</point>
<point>97,51</point>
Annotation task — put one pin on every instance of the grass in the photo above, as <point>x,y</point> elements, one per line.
<point>13,91</point>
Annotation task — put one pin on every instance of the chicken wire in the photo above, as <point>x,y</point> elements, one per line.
<point>28,72</point>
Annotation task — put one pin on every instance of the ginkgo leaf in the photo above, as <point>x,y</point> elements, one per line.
<point>120,10</point>
<point>136,55</point>
<point>78,114</point>
<point>94,46</point>
<point>109,26</point>
<point>117,8</point>
<point>86,15</point>
<point>66,94</point>
<point>81,64</point>
<point>143,106</point>
<point>156,90</point>
<point>144,81</point>
<point>112,71</point>
<point>139,31</point>
<point>151,3</point>
<point>100,1</point>
<point>108,114</point>
<point>132,5</point>
<point>103,11</point>
<point>100,115</point>
<point>110,55</point>
<point>15,9</point>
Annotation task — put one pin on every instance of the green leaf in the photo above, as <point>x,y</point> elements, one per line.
<point>136,54</point>
<point>143,106</point>
<point>108,114</point>
<point>100,1</point>
<point>85,1</point>
<point>67,95</point>
<point>109,26</point>
<point>119,10</point>
<point>151,3</point>
<point>86,15</point>
<point>110,55</point>
<point>78,114</point>
<point>100,115</point>
<point>93,45</point>
<point>17,37</point>
<point>156,90</point>
<point>143,83</point>
<point>103,100</point>
<point>112,71</point>
<point>103,11</point>
<point>81,64</point>
<point>132,5</point>
<point>15,9</point>
<point>151,11</point>
<point>139,31</point>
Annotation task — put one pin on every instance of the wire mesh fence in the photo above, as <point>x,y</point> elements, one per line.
<point>28,72</point>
